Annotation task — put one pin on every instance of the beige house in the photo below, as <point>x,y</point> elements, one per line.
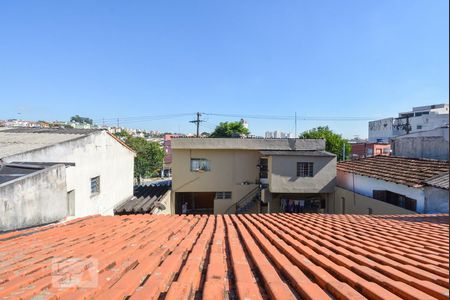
<point>228,175</point>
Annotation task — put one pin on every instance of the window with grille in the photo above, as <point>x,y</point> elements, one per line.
<point>305,169</point>
<point>395,199</point>
<point>95,185</point>
<point>223,195</point>
<point>200,164</point>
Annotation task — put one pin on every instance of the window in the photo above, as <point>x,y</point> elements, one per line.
<point>305,169</point>
<point>419,127</point>
<point>95,185</point>
<point>199,164</point>
<point>263,168</point>
<point>223,195</point>
<point>395,199</point>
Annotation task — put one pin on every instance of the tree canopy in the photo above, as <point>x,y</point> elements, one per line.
<point>149,155</point>
<point>334,142</point>
<point>81,120</point>
<point>229,129</point>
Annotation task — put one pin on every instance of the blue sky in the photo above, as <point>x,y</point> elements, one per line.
<point>109,59</point>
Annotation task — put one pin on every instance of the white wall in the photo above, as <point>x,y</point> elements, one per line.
<point>35,199</point>
<point>436,200</point>
<point>97,154</point>
<point>365,185</point>
<point>381,129</point>
<point>428,122</point>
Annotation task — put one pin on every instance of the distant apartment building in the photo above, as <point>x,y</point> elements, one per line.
<point>365,149</point>
<point>93,168</point>
<point>278,135</point>
<point>229,175</point>
<point>421,118</point>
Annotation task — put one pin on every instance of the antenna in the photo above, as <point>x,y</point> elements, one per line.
<point>197,122</point>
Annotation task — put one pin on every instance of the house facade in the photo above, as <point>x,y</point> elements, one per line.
<point>229,175</point>
<point>391,185</point>
<point>99,167</point>
<point>364,149</point>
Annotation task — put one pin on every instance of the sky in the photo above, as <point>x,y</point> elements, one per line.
<point>326,61</point>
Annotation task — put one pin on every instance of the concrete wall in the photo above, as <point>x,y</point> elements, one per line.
<point>428,122</point>
<point>283,174</point>
<point>360,204</point>
<point>229,169</point>
<point>421,147</point>
<point>98,154</point>
<point>381,129</point>
<point>35,199</point>
<point>365,185</point>
<point>427,144</point>
<point>436,200</point>
<point>247,144</point>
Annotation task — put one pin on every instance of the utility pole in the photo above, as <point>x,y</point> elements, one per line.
<point>295,136</point>
<point>118,124</point>
<point>197,122</point>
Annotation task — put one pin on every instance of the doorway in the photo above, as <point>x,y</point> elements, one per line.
<point>197,202</point>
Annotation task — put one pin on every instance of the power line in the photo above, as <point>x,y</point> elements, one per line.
<point>287,117</point>
<point>197,122</point>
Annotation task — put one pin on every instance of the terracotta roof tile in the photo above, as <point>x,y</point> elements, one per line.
<point>408,171</point>
<point>280,256</point>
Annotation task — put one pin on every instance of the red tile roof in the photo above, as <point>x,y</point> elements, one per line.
<point>282,256</point>
<point>408,171</point>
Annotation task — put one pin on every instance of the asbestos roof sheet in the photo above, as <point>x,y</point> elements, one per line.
<point>439,181</point>
<point>407,171</point>
<point>20,140</point>
<point>265,256</point>
<point>144,200</point>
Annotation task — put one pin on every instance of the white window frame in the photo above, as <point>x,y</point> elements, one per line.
<point>97,185</point>
<point>203,165</point>
<point>305,169</point>
<point>223,195</point>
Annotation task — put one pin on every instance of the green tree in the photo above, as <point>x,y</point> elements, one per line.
<point>334,142</point>
<point>81,120</point>
<point>229,129</point>
<point>149,155</point>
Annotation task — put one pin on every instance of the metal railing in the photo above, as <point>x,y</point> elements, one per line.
<point>234,208</point>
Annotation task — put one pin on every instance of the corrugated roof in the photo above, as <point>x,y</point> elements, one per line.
<point>20,140</point>
<point>439,181</point>
<point>278,256</point>
<point>144,200</point>
<point>408,171</point>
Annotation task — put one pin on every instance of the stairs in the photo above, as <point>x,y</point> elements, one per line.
<point>247,204</point>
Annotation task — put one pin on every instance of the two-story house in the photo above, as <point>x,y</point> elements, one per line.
<point>229,175</point>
